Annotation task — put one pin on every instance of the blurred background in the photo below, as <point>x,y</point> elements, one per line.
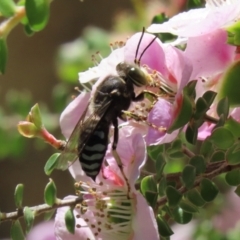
<point>43,69</point>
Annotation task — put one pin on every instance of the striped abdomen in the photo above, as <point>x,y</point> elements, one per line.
<point>92,152</point>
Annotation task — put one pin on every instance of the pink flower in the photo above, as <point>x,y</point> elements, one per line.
<point>110,210</point>
<point>197,22</point>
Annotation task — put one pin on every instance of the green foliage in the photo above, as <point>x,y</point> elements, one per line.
<point>28,215</point>
<point>163,227</point>
<point>181,216</point>
<point>51,163</point>
<point>37,13</point>
<point>208,190</point>
<point>188,176</point>
<point>234,34</point>
<point>173,196</point>
<point>18,195</point>
<point>50,193</point>
<point>7,8</point>
<point>195,198</point>
<point>70,221</point>
<point>16,231</point>
<point>160,164</point>
<point>233,177</point>
<point>3,55</point>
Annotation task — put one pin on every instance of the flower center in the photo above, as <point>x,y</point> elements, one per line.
<point>107,212</point>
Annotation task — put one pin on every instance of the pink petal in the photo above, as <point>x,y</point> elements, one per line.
<point>144,222</point>
<point>72,113</point>
<point>160,116</point>
<point>42,231</point>
<point>213,48</point>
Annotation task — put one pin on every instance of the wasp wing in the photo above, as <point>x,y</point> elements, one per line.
<point>70,153</point>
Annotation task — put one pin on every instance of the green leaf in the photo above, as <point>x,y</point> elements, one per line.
<point>228,84</point>
<point>160,163</point>
<point>190,89</point>
<point>206,149</point>
<point>37,13</point>
<point>48,215</point>
<point>16,231</point>
<point>163,227</point>
<point>233,126</point>
<point>233,177</point>
<point>223,108</point>
<point>188,207</point>
<point>162,186</point>
<point>195,198</point>
<point>7,8</point>
<point>191,133</point>
<point>18,195</point>
<point>148,184</point>
<point>199,163</point>
<point>28,215</point>
<point>208,190</point>
<point>209,97</point>
<point>151,198</point>
<point>234,34</point>
<point>70,221</point>
<point>188,176</point>
<point>155,150</point>
<point>50,193</point>
<point>237,190</point>
<point>218,156</point>
<point>173,196</point>
<point>233,155</point>
<point>180,216</point>
<point>183,114</point>
<point>3,55</point>
<point>201,108</point>
<point>222,138</point>
<point>29,32</point>
<point>36,116</point>
<point>51,163</point>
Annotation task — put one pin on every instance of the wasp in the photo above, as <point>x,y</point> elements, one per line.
<point>90,136</point>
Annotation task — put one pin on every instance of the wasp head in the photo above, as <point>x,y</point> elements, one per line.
<point>133,73</point>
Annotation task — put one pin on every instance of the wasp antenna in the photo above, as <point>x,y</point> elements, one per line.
<point>140,40</point>
<point>146,48</point>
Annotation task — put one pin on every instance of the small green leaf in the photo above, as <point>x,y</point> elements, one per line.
<point>16,231</point>
<point>206,149</point>
<point>70,221</point>
<point>155,150</point>
<point>148,184</point>
<point>218,156</point>
<point>36,116</point>
<point>163,227</point>
<point>51,163</point>
<point>29,32</point>
<point>28,215</point>
<point>162,186</point>
<point>190,89</point>
<point>183,114</point>
<point>18,195</point>
<point>223,108</point>
<point>209,97</point>
<point>188,176</point>
<point>195,198</point>
<point>208,190</point>
<point>48,215</point>
<point>234,126</point>
<point>188,207</point>
<point>199,163</point>
<point>50,193</point>
<point>173,196</point>
<point>151,198</point>
<point>37,13</point>
<point>233,155</point>
<point>201,108</point>
<point>3,55</point>
<point>228,84</point>
<point>7,8</point>
<point>234,34</point>
<point>180,216</point>
<point>191,133</point>
<point>160,163</point>
<point>233,177</point>
<point>237,190</point>
<point>222,138</point>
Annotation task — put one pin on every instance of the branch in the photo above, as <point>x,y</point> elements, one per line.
<point>40,209</point>
<point>223,167</point>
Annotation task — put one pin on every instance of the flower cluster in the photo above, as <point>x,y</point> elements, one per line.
<point>111,207</point>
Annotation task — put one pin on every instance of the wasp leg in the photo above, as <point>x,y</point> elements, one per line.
<point>116,156</point>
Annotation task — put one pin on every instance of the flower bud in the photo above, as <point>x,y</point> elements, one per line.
<point>27,129</point>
